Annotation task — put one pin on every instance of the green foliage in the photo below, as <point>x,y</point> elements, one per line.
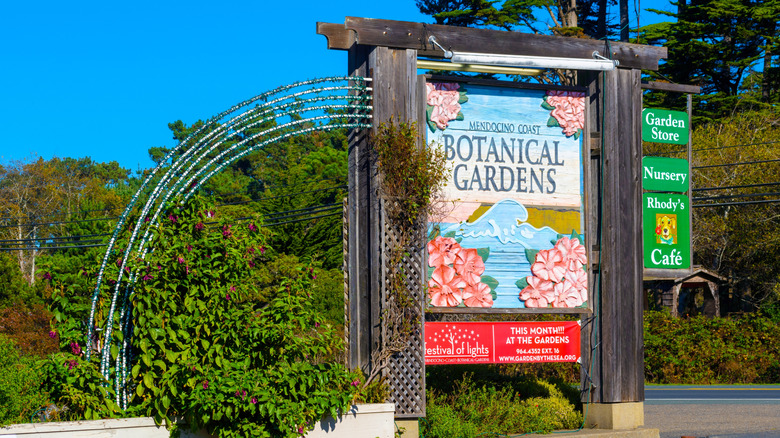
<point>214,350</point>
<point>711,351</point>
<point>13,287</point>
<point>470,406</point>
<point>729,39</point>
<point>411,175</point>
<point>523,15</point>
<point>76,388</point>
<point>19,378</point>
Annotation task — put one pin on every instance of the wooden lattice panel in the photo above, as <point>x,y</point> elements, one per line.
<point>345,246</point>
<point>404,370</point>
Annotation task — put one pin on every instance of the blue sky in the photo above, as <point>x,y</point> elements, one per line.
<point>104,79</point>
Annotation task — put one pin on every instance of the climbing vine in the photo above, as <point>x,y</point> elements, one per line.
<point>411,179</point>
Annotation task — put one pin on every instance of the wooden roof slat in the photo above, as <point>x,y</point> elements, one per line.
<point>667,86</point>
<point>338,36</point>
<point>412,35</point>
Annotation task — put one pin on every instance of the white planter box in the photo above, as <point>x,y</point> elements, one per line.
<point>369,421</point>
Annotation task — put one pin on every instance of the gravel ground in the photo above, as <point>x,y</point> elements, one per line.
<point>711,420</point>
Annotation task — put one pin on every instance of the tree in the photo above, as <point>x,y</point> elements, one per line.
<point>29,193</point>
<point>41,200</point>
<point>583,19</point>
<point>727,39</point>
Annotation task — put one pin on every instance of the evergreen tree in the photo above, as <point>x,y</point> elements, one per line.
<point>716,45</point>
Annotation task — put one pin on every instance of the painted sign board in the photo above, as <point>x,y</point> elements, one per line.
<point>665,174</point>
<point>451,343</point>
<point>667,231</point>
<point>665,126</point>
<point>509,232</point>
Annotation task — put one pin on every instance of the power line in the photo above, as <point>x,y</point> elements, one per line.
<point>309,210</point>
<point>341,178</point>
<point>54,238</point>
<point>303,220</point>
<point>282,196</point>
<point>715,148</point>
<point>105,244</point>
<point>705,189</point>
<point>31,248</point>
<point>742,163</point>
<point>61,214</point>
<point>742,195</point>
<point>61,222</point>
<point>314,207</point>
<point>727,204</point>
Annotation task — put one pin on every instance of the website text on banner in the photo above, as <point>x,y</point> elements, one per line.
<point>453,343</point>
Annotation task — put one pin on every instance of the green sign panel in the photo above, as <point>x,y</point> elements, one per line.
<point>664,126</point>
<point>665,174</point>
<point>666,231</point>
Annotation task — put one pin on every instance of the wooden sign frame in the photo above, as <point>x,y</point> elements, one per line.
<point>586,171</point>
<point>612,336</point>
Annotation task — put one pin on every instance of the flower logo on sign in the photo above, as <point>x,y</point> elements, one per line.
<point>456,278</point>
<point>559,278</point>
<point>567,110</point>
<point>444,101</point>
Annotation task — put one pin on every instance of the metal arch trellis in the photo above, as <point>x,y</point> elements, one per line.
<point>315,105</point>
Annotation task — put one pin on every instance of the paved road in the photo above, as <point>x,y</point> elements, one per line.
<point>735,411</point>
<point>715,394</point>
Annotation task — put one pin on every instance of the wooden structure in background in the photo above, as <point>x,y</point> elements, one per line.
<point>670,288</point>
<point>387,51</point>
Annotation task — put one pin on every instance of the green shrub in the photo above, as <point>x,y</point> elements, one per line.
<point>20,396</point>
<point>226,339</point>
<point>711,351</point>
<point>471,406</point>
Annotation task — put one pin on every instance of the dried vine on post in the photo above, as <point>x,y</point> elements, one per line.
<point>411,178</point>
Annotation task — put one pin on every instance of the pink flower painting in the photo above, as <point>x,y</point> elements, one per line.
<point>538,293</point>
<point>573,254</point>
<point>457,279</point>
<point>559,278</point>
<point>444,287</point>
<point>549,265</point>
<point>566,295</point>
<point>469,264</point>
<point>478,295</point>
<point>567,110</point>
<point>444,101</point>
<point>442,251</point>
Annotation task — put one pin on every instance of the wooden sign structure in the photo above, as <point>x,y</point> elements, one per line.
<point>386,51</point>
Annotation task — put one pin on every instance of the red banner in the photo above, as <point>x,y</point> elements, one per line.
<point>449,343</point>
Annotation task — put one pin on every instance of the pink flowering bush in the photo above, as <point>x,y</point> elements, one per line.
<point>456,278</point>
<point>444,101</point>
<point>221,337</point>
<point>567,110</point>
<point>559,278</point>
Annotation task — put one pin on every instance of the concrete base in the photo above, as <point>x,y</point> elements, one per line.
<point>615,415</point>
<point>601,433</point>
<point>408,428</point>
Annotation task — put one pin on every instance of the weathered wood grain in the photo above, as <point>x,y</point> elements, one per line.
<point>339,37</point>
<point>665,86</point>
<point>411,35</point>
<point>615,337</point>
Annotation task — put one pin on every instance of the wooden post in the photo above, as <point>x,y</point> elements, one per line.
<point>363,254</point>
<point>615,219</point>
<point>396,88</point>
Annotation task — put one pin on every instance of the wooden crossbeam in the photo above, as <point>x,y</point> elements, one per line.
<point>666,86</point>
<point>412,35</point>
